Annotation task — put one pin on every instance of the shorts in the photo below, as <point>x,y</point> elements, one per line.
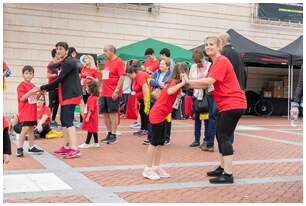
<point>29,123</point>
<point>108,105</point>
<point>158,134</point>
<point>67,115</point>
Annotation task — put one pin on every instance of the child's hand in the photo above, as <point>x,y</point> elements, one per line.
<point>87,119</point>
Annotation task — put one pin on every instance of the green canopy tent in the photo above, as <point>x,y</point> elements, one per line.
<point>137,49</point>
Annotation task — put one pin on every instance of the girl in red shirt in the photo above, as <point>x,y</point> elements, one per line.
<point>222,82</point>
<point>91,115</point>
<point>140,87</point>
<point>161,109</point>
<point>89,72</point>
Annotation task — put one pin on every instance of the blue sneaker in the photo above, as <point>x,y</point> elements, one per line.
<point>78,125</point>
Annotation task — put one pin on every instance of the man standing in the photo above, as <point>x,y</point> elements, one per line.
<point>235,59</point>
<point>112,81</point>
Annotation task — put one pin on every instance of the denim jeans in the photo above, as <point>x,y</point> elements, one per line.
<point>210,124</point>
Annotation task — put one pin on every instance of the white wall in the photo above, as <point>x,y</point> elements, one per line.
<point>31,30</point>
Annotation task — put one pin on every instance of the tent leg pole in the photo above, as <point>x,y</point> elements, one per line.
<point>289,84</point>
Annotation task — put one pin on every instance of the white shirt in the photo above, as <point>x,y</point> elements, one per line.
<point>196,73</point>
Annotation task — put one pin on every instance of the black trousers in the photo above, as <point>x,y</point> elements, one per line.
<point>226,124</point>
<point>144,118</point>
<point>89,134</point>
<point>53,103</point>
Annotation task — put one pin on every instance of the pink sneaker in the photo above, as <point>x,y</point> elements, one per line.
<point>72,154</point>
<point>62,150</point>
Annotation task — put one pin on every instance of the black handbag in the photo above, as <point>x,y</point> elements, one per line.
<point>201,106</point>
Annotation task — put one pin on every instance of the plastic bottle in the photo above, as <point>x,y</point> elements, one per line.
<point>294,116</point>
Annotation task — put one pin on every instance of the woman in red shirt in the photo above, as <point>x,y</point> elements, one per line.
<point>140,87</point>
<point>161,109</point>
<point>222,82</point>
<point>89,72</point>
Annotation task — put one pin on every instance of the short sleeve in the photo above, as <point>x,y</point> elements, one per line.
<point>120,68</point>
<point>91,104</point>
<point>96,74</point>
<point>141,79</point>
<point>218,70</point>
<point>21,90</point>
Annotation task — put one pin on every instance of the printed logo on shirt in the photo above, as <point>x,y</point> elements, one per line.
<point>210,88</point>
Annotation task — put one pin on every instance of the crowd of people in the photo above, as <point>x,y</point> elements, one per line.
<point>216,80</point>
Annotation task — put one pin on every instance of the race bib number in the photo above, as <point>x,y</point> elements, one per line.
<point>32,99</point>
<point>210,88</point>
<point>105,74</point>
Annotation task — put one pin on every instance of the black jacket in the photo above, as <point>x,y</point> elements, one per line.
<point>237,63</point>
<point>298,94</point>
<point>69,78</point>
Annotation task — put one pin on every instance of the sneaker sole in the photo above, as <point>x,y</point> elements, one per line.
<point>36,153</point>
<point>150,178</point>
<point>112,142</point>
<point>75,156</point>
<point>20,155</point>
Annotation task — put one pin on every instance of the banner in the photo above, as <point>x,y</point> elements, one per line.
<point>281,12</point>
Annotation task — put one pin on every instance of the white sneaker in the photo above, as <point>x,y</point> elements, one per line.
<point>136,125</point>
<point>96,145</point>
<point>161,172</point>
<point>150,174</point>
<point>84,146</point>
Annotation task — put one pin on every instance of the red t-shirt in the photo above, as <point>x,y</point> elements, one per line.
<point>50,72</point>
<point>4,66</point>
<point>151,65</point>
<point>27,110</point>
<point>92,106</point>
<point>227,92</point>
<point>44,111</point>
<point>112,71</point>
<point>73,100</point>
<point>5,123</point>
<point>138,82</point>
<point>163,105</point>
<point>87,74</point>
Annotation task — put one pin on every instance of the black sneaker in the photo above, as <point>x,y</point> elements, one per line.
<point>19,152</point>
<point>35,150</point>
<point>195,144</point>
<point>106,138</point>
<point>222,179</point>
<point>54,125</point>
<point>146,142</point>
<point>167,142</point>
<point>216,172</point>
<point>112,139</point>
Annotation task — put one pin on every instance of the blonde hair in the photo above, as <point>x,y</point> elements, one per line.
<point>167,61</point>
<point>216,39</point>
<point>91,61</point>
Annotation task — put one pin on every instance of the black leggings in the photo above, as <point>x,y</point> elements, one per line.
<point>85,98</point>
<point>226,124</point>
<point>89,134</point>
<point>144,118</point>
<point>53,103</point>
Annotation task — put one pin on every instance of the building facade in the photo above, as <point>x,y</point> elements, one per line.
<point>31,31</point>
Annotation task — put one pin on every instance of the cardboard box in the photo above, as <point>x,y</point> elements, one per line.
<point>278,92</point>
<point>267,93</point>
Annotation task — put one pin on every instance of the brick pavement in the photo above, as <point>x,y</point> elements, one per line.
<point>130,151</point>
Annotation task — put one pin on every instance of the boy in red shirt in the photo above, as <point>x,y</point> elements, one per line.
<point>151,64</point>
<point>27,111</point>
